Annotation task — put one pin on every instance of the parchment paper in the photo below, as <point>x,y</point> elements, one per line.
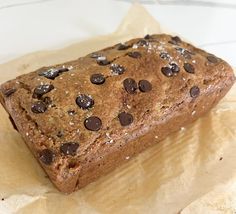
<point>192,171</point>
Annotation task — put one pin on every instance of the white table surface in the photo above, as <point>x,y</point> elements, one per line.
<point>32,25</point>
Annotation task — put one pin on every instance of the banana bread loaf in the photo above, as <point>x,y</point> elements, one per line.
<point>83,118</point>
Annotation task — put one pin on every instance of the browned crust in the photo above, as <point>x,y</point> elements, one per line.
<point>107,157</point>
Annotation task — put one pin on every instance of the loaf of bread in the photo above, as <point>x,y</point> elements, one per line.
<point>83,118</point>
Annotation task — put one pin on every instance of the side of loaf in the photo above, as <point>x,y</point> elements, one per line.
<point>83,118</point>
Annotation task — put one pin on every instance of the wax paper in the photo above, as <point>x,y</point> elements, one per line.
<point>192,171</point>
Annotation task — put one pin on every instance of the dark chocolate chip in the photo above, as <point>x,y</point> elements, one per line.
<point>189,68</point>
<point>9,92</point>
<point>142,42</point>
<point>13,123</point>
<point>125,118</point>
<point>40,90</point>
<point>122,46</point>
<point>167,71</point>
<point>147,36</point>
<point>84,101</point>
<point>194,92</point>
<point>174,68</point>
<point>51,73</point>
<point>134,54</point>
<point>93,123</point>
<point>46,156</point>
<point>212,59</point>
<point>97,79</point>
<point>144,86</point>
<point>71,112</point>
<point>130,85</point>
<point>39,107</point>
<point>61,70</point>
<point>117,69</point>
<point>95,55</point>
<point>102,60</point>
<point>164,55</point>
<point>175,40</point>
<point>69,148</point>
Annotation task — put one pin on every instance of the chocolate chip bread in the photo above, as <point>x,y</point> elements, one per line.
<point>83,118</point>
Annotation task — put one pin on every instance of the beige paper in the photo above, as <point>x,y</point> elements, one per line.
<point>193,171</point>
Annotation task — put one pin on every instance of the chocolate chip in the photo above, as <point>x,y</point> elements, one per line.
<point>122,46</point>
<point>212,59</point>
<point>40,90</point>
<point>125,118</point>
<point>144,86</point>
<point>130,85</point>
<point>46,156</point>
<point>189,68</point>
<point>61,70</point>
<point>13,123</point>
<point>174,68</point>
<point>52,73</point>
<point>93,123</point>
<point>71,112</point>
<point>95,55</point>
<point>39,107</point>
<point>134,54</point>
<point>142,42</point>
<point>194,92</point>
<point>84,101</point>
<point>175,40</point>
<point>97,79</point>
<point>147,36</point>
<point>117,69</point>
<point>9,92</point>
<point>167,71</point>
<point>164,55</point>
<point>69,148</point>
<point>102,60</point>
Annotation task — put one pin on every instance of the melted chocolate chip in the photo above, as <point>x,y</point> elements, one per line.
<point>164,55</point>
<point>69,148</point>
<point>102,60</point>
<point>40,90</point>
<point>144,86</point>
<point>174,68</point>
<point>61,70</point>
<point>167,71</point>
<point>95,55</point>
<point>194,92</point>
<point>46,156</point>
<point>84,101</point>
<point>93,123</point>
<point>130,85</point>
<point>212,59</point>
<point>122,46</point>
<point>147,36</point>
<point>175,40</point>
<point>97,79</point>
<point>9,92</point>
<point>142,42</point>
<point>125,118</point>
<point>39,107</point>
<point>117,69</point>
<point>189,68</point>
<point>50,74</point>
<point>134,54</point>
